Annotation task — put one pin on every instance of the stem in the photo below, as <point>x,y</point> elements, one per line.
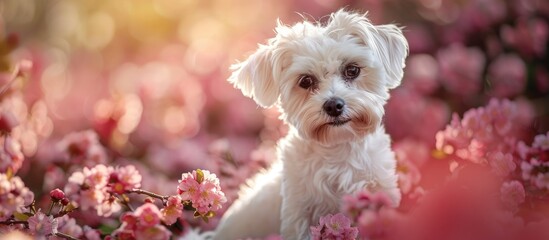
<point>65,236</point>
<point>51,208</point>
<point>13,222</point>
<point>150,194</point>
<point>13,77</point>
<point>124,200</point>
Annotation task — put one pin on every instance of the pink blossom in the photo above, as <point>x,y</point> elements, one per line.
<point>7,121</point>
<point>483,133</point>
<point>123,179</point>
<point>83,147</point>
<point>535,161</point>
<point>507,75</point>
<point>354,204</point>
<point>529,36</point>
<point>380,224</point>
<point>422,75</point>
<point>173,210</point>
<point>420,120</point>
<point>336,226</point>
<point>147,215</point>
<point>57,194</point>
<point>535,172</point>
<point>461,69</point>
<point>157,232</point>
<point>411,155</point>
<point>144,223</point>
<point>11,156</point>
<point>203,190</point>
<point>67,225</point>
<point>42,225</point>
<point>541,141</point>
<point>89,190</point>
<point>512,193</point>
<point>14,196</point>
<point>91,234</point>
<point>502,164</point>
<point>108,206</point>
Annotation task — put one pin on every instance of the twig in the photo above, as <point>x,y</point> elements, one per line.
<point>14,222</point>
<point>51,208</point>
<point>65,236</point>
<point>150,194</point>
<point>124,200</point>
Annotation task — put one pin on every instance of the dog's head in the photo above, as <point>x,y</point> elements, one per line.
<point>330,81</point>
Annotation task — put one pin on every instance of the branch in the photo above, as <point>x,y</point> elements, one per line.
<point>65,236</point>
<point>150,194</point>
<point>13,222</point>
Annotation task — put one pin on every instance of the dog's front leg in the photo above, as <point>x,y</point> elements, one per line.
<point>295,216</point>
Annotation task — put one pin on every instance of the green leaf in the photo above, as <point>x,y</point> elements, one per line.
<point>107,229</point>
<point>199,176</point>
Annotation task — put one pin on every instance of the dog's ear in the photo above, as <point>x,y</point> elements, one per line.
<point>387,41</point>
<point>254,77</point>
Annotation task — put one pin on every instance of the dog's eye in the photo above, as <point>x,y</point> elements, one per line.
<point>306,81</point>
<point>351,71</point>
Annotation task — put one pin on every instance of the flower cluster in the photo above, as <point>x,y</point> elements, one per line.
<point>96,188</point>
<point>535,161</point>
<point>83,148</point>
<point>485,135</point>
<point>143,223</point>
<point>336,226</point>
<point>202,189</point>
<point>14,196</point>
<point>372,213</point>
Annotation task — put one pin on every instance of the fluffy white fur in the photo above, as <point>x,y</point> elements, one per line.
<point>323,157</point>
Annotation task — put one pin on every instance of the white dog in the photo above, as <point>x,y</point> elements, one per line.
<point>330,82</point>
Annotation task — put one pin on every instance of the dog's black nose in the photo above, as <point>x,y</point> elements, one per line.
<point>334,106</point>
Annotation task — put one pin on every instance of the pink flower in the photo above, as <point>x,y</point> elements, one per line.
<point>42,225</point>
<point>83,147</point>
<point>535,161</point>
<point>502,164</point>
<point>91,234</point>
<point>89,188</point>
<point>123,179</point>
<point>14,196</point>
<point>378,224</point>
<point>541,141</point>
<point>57,194</point>
<point>507,75</point>
<point>411,155</point>
<point>461,69</point>
<point>512,193</point>
<point>147,215</point>
<point>529,36</point>
<point>420,120</point>
<point>334,227</point>
<point>158,232</point>
<point>354,204</point>
<point>143,223</point>
<point>108,206</point>
<point>11,155</point>
<point>201,188</point>
<point>173,210</point>
<point>422,74</point>
<point>485,134</point>
<point>67,225</point>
